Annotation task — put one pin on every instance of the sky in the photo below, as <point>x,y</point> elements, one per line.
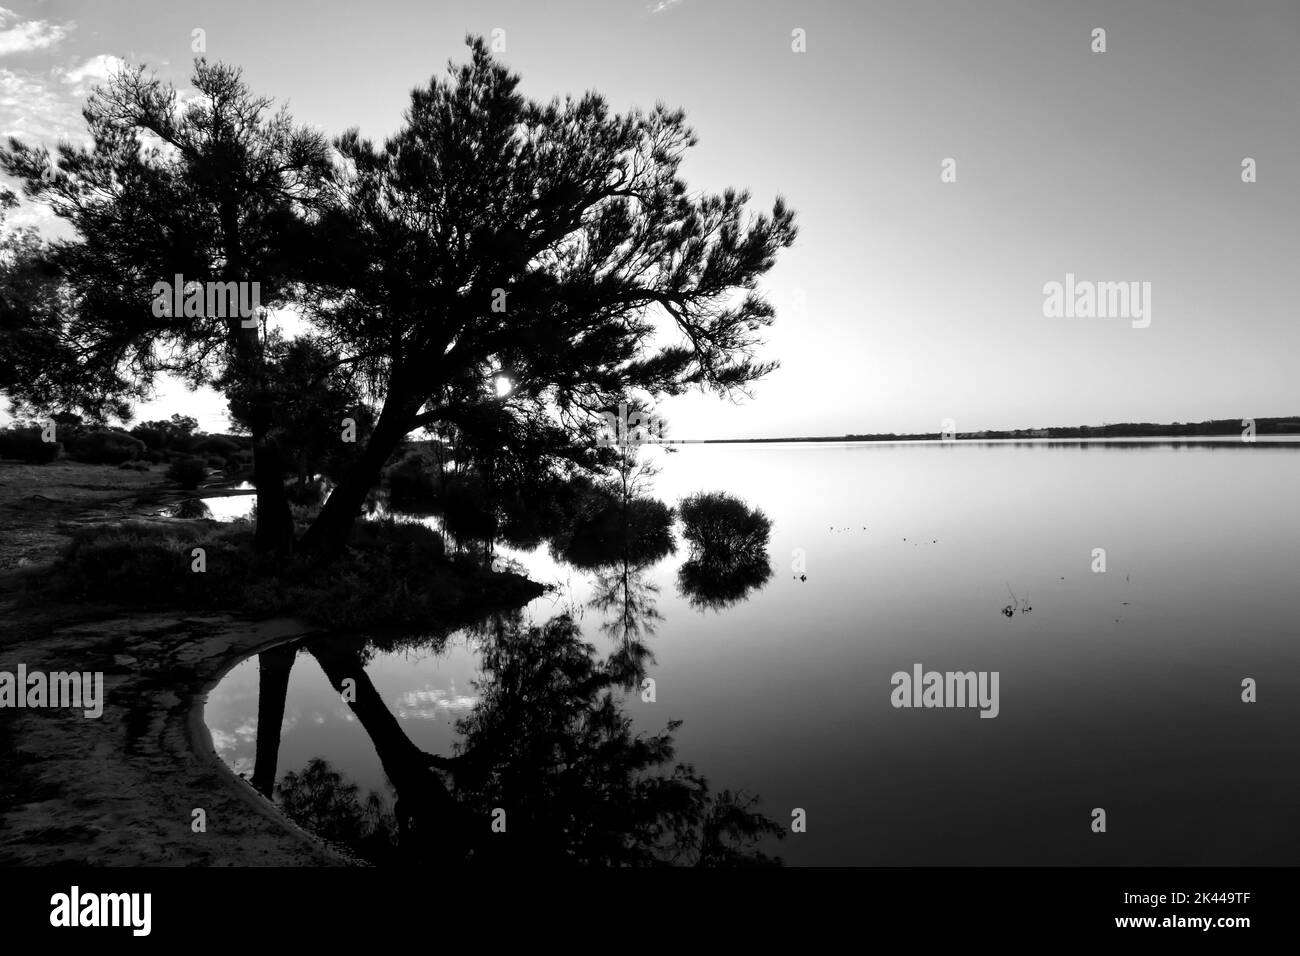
<point>907,300</point>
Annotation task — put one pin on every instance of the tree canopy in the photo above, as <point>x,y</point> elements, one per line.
<point>553,245</point>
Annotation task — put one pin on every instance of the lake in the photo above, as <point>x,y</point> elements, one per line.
<point>1118,689</point>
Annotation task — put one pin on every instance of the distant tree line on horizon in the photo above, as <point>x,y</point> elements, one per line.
<point>1215,427</point>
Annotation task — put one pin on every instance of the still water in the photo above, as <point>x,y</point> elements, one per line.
<point>1118,689</point>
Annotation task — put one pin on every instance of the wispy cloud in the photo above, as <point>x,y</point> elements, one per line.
<point>43,108</point>
<point>24,36</point>
<point>661,5</point>
<point>46,106</point>
<point>92,73</point>
<point>37,107</point>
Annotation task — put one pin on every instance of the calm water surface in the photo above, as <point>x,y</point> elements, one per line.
<point>1119,690</point>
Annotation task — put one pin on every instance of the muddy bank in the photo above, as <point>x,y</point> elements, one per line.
<point>121,789</point>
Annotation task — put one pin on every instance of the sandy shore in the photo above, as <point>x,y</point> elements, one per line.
<point>121,789</point>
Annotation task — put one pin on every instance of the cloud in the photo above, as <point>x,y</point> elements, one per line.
<point>92,73</point>
<point>46,107</point>
<point>37,108</point>
<point>30,215</point>
<point>433,699</point>
<point>661,5</point>
<point>24,36</point>
<point>43,108</point>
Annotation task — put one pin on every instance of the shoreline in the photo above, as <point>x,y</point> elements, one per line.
<point>121,789</point>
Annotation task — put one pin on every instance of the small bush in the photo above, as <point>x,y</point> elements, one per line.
<point>404,540</point>
<point>148,562</point>
<point>722,528</point>
<point>188,472</point>
<point>155,439</point>
<point>106,447</point>
<point>180,444</point>
<point>218,445</point>
<point>25,444</point>
<point>192,508</point>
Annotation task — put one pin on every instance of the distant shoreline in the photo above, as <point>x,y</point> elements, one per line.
<point>1217,428</point>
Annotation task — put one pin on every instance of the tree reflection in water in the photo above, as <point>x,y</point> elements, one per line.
<point>549,743</point>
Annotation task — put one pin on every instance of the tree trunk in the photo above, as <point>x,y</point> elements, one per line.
<point>328,534</point>
<point>274,531</point>
<point>274,519</point>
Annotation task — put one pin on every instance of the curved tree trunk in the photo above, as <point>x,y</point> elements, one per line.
<point>432,824</point>
<point>328,534</point>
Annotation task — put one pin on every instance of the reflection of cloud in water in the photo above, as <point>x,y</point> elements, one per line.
<point>241,766</point>
<point>432,702</point>
<point>223,743</point>
<point>246,733</point>
<point>235,748</point>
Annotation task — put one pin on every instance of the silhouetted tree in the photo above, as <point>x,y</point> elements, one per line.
<point>216,190</point>
<point>493,236</point>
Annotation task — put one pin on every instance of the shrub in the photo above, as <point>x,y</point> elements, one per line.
<point>108,447</point>
<point>25,444</point>
<point>155,439</point>
<point>722,528</point>
<point>149,562</point>
<point>192,508</point>
<point>218,445</point>
<point>188,472</point>
<point>405,540</point>
<point>393,575</point>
